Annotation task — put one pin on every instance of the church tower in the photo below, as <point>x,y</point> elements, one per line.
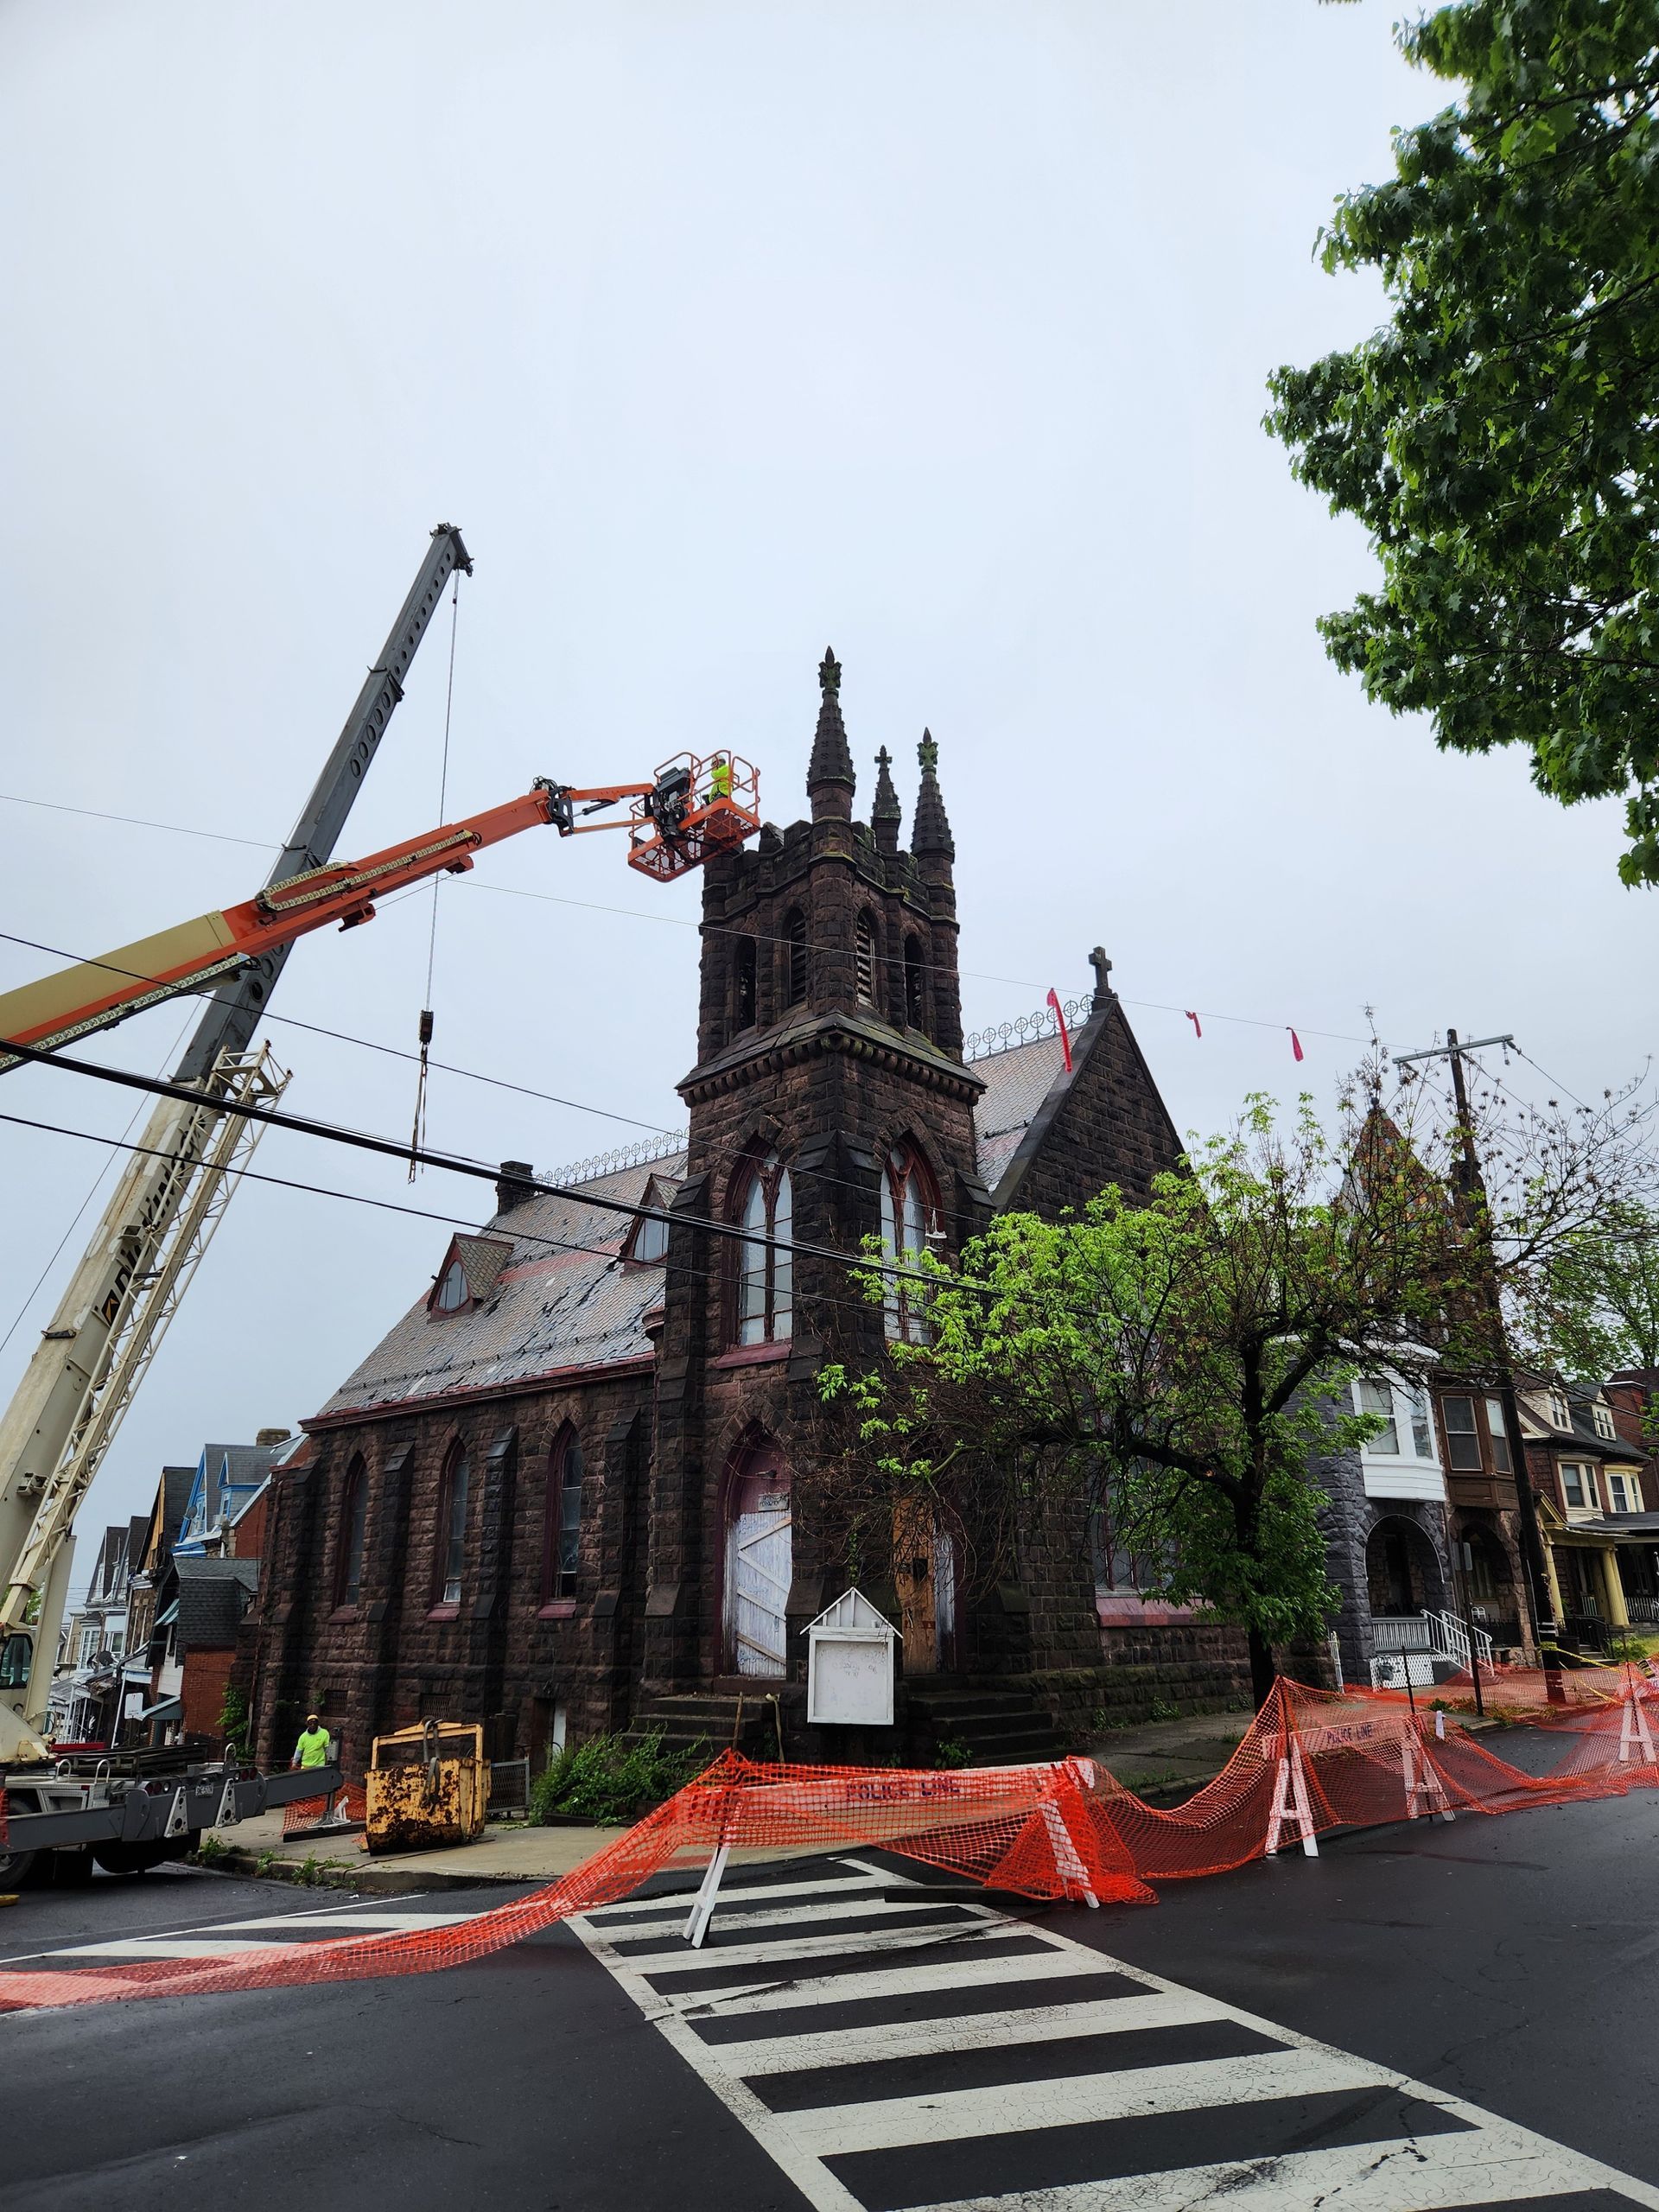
<point>829,1103</point>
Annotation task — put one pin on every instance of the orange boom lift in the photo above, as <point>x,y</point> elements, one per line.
<point>691,812</point>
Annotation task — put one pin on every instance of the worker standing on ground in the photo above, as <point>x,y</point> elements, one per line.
<point>312,1750</point>
<point>720,777</point>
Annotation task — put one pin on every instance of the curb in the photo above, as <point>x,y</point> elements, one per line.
<point>364,1879</point>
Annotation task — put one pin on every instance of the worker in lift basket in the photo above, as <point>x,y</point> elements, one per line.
<point>720,777</point>
<point>312,1750</point>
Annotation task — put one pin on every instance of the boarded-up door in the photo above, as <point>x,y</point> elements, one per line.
<point>925,1577</point>
<point>759,1565</point>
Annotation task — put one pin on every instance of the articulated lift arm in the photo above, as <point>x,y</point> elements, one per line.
<point>675,825</point>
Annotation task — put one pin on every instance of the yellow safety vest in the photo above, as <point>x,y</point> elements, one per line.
<point>719,779</point>
<point>313,1747</point>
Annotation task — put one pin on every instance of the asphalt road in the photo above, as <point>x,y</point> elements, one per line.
<point>915,2048</point>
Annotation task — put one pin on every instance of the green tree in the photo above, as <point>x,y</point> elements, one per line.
<point>1603,1291</point>
<point>1179,1364</point>
<point>1499,437</point>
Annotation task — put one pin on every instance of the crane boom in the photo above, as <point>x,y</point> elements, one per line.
<point>152,1233</point>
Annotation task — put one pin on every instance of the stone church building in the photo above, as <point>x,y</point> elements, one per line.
<point>562,1495</point>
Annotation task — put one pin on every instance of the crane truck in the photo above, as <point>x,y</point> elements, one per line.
<point>130,1810</point>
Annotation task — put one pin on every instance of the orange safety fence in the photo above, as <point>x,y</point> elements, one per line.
<point>346,1808</point>
<point>1312,1760</point>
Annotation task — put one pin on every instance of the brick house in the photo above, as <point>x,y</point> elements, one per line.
<point>1593,1475</point>
<point>567,1489</point>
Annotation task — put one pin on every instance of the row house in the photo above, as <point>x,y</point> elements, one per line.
<point>1598,1491</point>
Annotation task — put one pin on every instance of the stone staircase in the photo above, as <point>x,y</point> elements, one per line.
<point>709,1718</point>
<point>994,1728</point>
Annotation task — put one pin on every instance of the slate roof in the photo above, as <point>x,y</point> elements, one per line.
<point>551,1291</point>
<point>213,1594</point>
<point>1016,1083</point>
<point>565,1298</point>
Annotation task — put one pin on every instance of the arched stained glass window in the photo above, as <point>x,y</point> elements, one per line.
<point>909,1226</point>
<point>452,1525</point>
<point>765,1272</point>
<point>452,1293</point>
<point>562,1553</point>
<point>353,1524</point>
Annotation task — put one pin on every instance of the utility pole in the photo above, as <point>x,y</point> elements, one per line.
<point>1472,1186</point>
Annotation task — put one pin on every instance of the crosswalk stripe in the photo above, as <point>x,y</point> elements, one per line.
<point>1498,2164</point>
<point>752,1896</point>
<point>946,1929</point>
<point>1028,1964</point>
<point>972,2031</point>
<point>220,1939</point>
<point>394,1924</point>
<point>667,1932</point>
<point>172,1946</point>
<point>1073,2100</point>
<point>1397,2145</point>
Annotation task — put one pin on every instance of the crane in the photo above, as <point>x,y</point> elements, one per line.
<point>151,1235</point>
<point>691,811</point>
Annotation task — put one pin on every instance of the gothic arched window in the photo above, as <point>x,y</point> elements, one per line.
<point>915,992</point>
<point>450,1552</point>
<point>354,1522</point>
<point>764,1282</point>
<point>562,1538</point>
<point>909,1226</point>
<point>743,984</point>
<point>795,955</point>
<point>864,960</point>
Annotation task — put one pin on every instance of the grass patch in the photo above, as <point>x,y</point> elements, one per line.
<point>609,1780</point>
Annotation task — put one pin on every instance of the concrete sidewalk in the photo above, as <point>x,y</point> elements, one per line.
<point>1163,1760</point>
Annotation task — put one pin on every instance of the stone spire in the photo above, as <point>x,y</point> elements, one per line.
<point>830,779</point>
<point>886,814</point>
<point>930,835</point>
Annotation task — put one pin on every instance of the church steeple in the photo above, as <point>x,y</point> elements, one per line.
<point>886,814</point>
<point>830,779</point>
<point>929,837</point>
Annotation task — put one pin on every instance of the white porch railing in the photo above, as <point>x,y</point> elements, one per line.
<point>1432,1635</point>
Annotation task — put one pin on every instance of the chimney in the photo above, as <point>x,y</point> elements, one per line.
<point>516,1183</point>
<point>269,1436</point>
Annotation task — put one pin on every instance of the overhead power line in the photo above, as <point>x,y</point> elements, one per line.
<point>451,1163</point>
<point>681,921</point>
<point>464,1223</point>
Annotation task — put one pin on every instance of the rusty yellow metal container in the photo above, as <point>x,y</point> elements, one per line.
<point>426,1786</point>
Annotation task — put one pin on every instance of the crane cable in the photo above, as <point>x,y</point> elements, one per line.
<point>418,1135</point>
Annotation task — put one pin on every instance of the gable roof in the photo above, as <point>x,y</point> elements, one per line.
<point>226,1477</point>
<point>481,1260</point>
<point>213,1594</point>
<point>1016,1083</point>
<point>563,1298</point>
<point>1050,1136</point>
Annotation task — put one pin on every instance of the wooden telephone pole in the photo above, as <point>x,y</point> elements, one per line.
<point>1470,1186</point>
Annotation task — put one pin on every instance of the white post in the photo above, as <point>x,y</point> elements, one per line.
<point>1290,1807</point>
<point>1633,1731</point>
<point>1068,1865</point>
<point>703,1907</point>
<point>1428,1785</point>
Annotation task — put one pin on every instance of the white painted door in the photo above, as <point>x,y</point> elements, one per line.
<point>758,1567</point>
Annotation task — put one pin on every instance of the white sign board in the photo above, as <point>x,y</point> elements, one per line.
<point>849,1666</point>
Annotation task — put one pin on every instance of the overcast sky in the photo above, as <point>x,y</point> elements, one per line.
<point>931,330</point>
